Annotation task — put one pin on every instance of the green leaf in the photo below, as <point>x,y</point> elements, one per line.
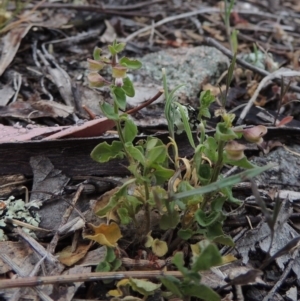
<point>114,200</point>
<point>186,186</point>
<point>157,154</point>
<point>110,254</point>
<point>179,263</point>
<point>227,191</point>
<point>230,75</point>
<point>201,291</point>
<point>135,153</point>
<point>209,257</point>
<point>119,97</point>
<point>123,215</point>
<point>108,111</point>
<point>230,181</point>
<point>210,149</point>
<point>116,264</point>
<point>143,287</point>
<point>223,133</point>
<point>244,163</point>
<point>129,63</point>
<point>185,233</point>
<point>169,222</point>
<point>206,220</point>
<point>128,87</point>
<point>186,125</point>
<point>172,284</point>
<point>152,142</point>
<point>205,100</point>
<point>234,40</point>
<point>130,130</point>
<point>115,48</point>
<point>161,173</point>
<point>215,233</point>
<point>97,54</point>
<point>132,204</point>
<point>204,172</point>
<point>103,266</point>
<point>119,47</point>
<point>104,152</point>
<point>169,105</point>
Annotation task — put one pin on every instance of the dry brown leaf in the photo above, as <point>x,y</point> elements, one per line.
<point>106,235</point>
<point>69,258</point>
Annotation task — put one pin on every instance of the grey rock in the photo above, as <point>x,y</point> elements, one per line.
<point>286,173</point>
<point>192,67</point>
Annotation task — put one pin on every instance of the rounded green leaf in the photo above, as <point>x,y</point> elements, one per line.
<point>103,266</point>
<point>119,97</point>
<point>157,154</point>
<point>128,87</point>
<point>123,215</point>
<point>135,153</point>
<point>169,222</point>
<point>103,152</point>
<point>130,64</point>
<point>108,111</point>
<point>97,53</point>
<point>130,130</point>
<point>224,133</point>
<point>185,233</point>
<point>209,257</point>
<point>206,220</point>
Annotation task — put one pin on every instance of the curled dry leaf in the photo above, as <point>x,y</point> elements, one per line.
<point>69,258</point>
<point>106,235</point>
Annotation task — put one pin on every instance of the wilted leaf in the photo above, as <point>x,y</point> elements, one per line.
<point>159,247</point>
<point>67,257</point>
<point>149,240</point>
<point>115,293</point>
<point>228,258</point>
<point>106,235</point>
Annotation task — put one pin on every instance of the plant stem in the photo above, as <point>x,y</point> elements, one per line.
<point>147,207</point>
<point>219,163</point>
<point>216,172</point>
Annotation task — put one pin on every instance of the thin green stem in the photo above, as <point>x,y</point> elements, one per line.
<point>219,164</point>
<point>216,172</point>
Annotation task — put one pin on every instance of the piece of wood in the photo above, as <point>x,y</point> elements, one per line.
<point>72,156</point>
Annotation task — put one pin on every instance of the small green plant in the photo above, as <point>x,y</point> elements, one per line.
<point>190,285</point>
<point>188,194</point>
<point>231,35</point>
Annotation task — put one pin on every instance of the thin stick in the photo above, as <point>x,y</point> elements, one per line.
<point>145,104</point>
<point>172,18</point>
<point>277,74</point>
<point>285,273</point>
<point>35,281</point>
